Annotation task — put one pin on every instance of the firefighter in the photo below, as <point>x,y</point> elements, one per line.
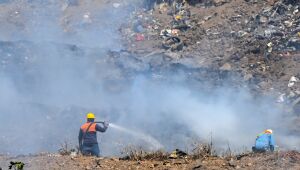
<point>88,144</point>
<point>264,142</point>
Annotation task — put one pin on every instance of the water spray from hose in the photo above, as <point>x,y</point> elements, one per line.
<point>155,145</point>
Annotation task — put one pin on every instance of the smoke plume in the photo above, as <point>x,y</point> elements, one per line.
<point>55,67</point>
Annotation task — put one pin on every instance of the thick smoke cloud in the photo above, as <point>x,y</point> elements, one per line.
<point>55,68</point>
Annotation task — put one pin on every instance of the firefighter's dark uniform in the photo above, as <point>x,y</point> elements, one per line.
<point>88,143</point>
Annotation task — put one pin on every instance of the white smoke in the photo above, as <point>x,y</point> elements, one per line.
<point>54,68</point>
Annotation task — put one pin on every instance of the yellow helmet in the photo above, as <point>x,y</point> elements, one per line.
<point>270,131</point>
<point>90,116</point>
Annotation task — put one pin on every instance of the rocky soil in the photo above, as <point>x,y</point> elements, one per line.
<point>280,160</point>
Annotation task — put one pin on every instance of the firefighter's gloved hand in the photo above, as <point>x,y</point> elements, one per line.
<point>106,124</point>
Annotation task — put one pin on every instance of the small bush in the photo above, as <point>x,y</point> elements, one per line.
<point>138,154</point>
<point>66,149</point>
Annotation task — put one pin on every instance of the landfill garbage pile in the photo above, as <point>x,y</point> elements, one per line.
<point>256,42</point>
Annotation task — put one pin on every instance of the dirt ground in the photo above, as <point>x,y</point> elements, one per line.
<point>279,160</point>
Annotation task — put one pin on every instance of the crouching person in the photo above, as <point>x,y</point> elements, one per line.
<point>88,144</point>
<point>264,142</point>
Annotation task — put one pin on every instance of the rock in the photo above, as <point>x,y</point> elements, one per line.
<point>206,18</point>
<point>232,163</point>
<point>115,159</point>
<point>153,165</point>
<point>200,166</point>
<point>226,67</point>
<point>168,164</point>
<point>73,154</point>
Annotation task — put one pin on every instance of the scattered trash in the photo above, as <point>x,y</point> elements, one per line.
<point>270,44</point>
<point>288,23</point>
<point>292,81</point>
<point>178,17</point>
<point>175,32</point>
<point>173,43</point>
<point>140,37</point>
<point>177,154</point>
<point>257,38</point>
<point>166,32</point>
<point>242,33</point>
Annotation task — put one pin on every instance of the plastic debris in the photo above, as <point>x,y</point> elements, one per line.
<point>292,81</point>
<point>177,154</point>
<point>140,37</point>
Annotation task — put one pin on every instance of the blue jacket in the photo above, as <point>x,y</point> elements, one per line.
<point>264,141</point>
